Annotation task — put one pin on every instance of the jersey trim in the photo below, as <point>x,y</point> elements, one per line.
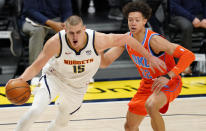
<point>47,86</point>
<point>145,37</point>
<point>77,52</point>
<point>94,44</point>
<point>150,49</point>
<point>60,39</point>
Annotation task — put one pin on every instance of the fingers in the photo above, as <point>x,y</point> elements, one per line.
<point>159,68</point>
<point>154,84</point>
<point>157,89</point>
<point>158,63</point>
<point>157,86</point>
<point>163,65</point>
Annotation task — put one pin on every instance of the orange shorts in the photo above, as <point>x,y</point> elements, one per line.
<point>171,90</point>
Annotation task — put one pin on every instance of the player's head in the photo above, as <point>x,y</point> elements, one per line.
<point>137,13</point>
<point>75,30</point>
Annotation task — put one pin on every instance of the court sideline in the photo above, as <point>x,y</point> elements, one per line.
<point>185,114</point>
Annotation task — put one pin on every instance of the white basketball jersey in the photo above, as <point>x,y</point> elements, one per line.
<point>71,67</point>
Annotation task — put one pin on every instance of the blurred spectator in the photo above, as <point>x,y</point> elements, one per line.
<point>156,17</point>
<point>115,11</point>
<point>2,3</point>
<point>40,17</point>
<point>186,15</point>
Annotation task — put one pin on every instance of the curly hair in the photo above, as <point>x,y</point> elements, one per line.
<point>137,6</point>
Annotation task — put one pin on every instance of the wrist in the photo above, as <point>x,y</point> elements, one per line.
<point>21,78</point>
<point>149,56</point>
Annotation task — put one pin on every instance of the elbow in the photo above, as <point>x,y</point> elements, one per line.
<point>193,56</point>
<point>103,66</point>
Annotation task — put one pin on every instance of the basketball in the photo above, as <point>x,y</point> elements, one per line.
<point>18,91</point>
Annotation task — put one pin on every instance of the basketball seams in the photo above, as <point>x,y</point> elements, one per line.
<point>23,100</point>
<point>7,91</point>
<point>19,95</point>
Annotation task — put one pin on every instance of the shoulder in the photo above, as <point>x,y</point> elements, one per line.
<point>53,43</point>
<point>155,38</point>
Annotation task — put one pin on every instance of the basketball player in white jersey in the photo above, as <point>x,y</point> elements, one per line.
<point>69,60</point>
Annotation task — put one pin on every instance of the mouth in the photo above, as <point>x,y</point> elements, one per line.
<point>75,41</point>
<point>133,28</point>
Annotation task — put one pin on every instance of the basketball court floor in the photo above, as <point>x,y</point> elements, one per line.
<point>105,107</point>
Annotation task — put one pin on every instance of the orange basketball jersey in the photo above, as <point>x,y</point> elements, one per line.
<point>141,62</point>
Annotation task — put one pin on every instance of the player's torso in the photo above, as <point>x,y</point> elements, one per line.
<point>72,66</point>
<point>141,62</point>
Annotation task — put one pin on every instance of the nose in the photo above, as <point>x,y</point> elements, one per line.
<point>75,36</point>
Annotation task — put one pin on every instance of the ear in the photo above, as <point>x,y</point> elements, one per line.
<point>63,25</point>
<point>145,21</point>
<point>65,28</point>
<point>84,27</point>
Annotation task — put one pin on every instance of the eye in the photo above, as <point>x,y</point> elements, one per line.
<point>78,32</point>
<point>71,33</point>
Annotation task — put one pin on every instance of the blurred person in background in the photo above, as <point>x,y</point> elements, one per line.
<point>40,17</point>
<point>115,9</point>
<point>187,15</point>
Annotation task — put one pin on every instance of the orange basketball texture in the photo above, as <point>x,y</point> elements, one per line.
<point>18,92</point>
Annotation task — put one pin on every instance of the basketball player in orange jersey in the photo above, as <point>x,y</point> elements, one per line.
<point>69,60</point>
<point>156,89</point>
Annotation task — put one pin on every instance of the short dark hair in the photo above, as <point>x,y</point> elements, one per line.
<point>137,6</point>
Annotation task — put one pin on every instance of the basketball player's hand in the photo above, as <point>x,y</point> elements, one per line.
<point>11,80</point>
<point>19,78</point>
<point>58,26</point>
<point>159,83</point>
<point>157,63</point>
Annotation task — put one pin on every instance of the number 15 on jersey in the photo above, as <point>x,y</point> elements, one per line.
<point>79,68</point>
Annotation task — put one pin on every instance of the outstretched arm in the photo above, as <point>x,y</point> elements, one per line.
<point>110,56</point>
<point>105,41</point>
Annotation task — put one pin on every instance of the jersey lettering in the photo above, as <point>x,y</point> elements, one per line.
<point>74,62</point>
<point>146,73</point>
<point>141,61</point>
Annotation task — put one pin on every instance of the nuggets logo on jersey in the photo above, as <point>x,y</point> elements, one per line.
<point>74,62</point>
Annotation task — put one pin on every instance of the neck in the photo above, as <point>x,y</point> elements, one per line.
<point>81,43</point>
<point>140,35</point>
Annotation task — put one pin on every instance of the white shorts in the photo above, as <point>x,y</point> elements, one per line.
<point>70,99</point>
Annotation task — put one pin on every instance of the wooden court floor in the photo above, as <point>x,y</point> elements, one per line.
<point>185,114</point>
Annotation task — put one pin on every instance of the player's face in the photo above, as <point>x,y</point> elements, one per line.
<point>76,34</point>
<point>136,22</point>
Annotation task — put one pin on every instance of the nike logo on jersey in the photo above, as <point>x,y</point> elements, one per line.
<point>74,62</point>
<point>141,61</point>
<point>88,52</point>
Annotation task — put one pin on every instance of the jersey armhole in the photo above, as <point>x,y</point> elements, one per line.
<point>94,44</point>
<point>150,49</point>
<point>60,52</point>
